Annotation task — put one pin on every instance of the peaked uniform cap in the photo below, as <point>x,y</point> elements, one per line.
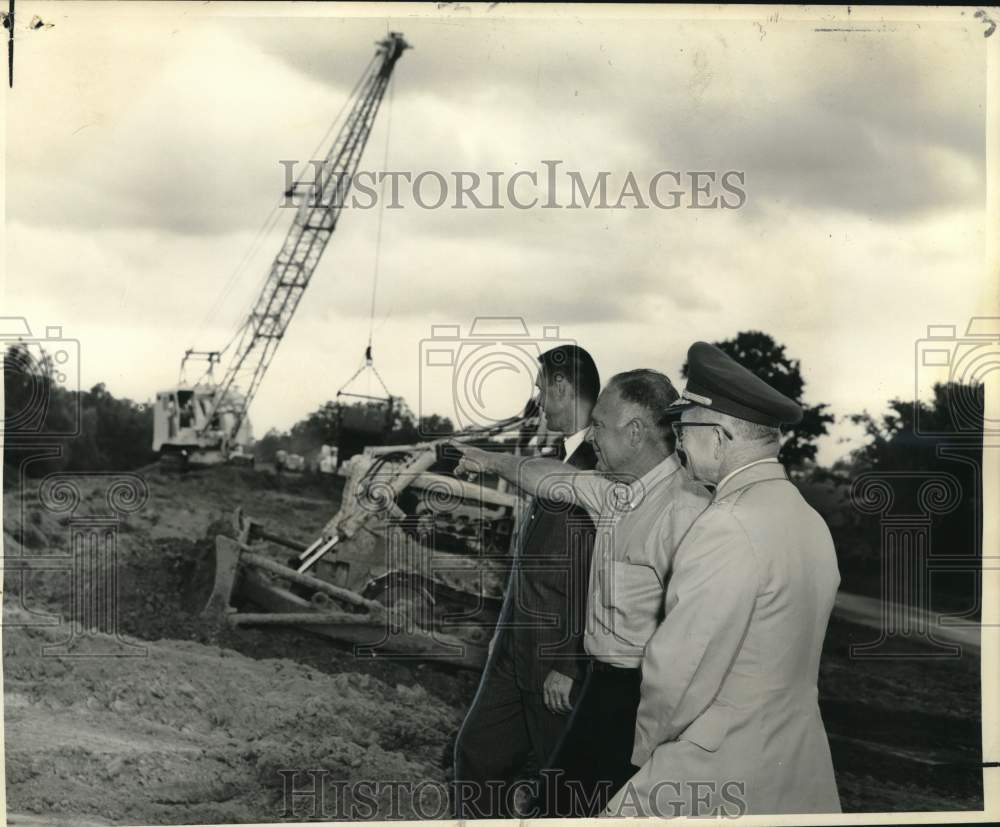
<point>718,382</point>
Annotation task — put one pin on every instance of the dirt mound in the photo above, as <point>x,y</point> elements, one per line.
<point>183,732</point>
<point>164,569</point>
<point>200,722</point>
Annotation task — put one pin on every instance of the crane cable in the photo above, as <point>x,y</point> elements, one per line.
<point>368,362</point>
<point>381,214</point>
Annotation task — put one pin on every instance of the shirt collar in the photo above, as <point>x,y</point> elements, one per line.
<point>732,474</point>
<point>630,495</point>
<point>658,472</point>
<point>573,441</point>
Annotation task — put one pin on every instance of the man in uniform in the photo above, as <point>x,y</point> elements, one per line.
<point>642,503</point>
<point>728,718</point>
<point>536,662</point>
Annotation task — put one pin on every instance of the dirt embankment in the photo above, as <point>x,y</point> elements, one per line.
<point>191,723</point>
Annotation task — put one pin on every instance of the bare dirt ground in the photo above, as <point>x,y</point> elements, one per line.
<point>198,724</point>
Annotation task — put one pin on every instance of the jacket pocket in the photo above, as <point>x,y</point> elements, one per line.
<point>709,729</point>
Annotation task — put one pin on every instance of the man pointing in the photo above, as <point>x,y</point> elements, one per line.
<point>642,503</point>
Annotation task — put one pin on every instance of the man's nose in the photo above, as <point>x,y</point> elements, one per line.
<point>590,435</point>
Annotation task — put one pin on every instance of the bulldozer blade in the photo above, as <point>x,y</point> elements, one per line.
<point>372,635</point>
<point>259,561</point>
<point>302,619</point>
<point>227,564</point>
<point>375,630</point>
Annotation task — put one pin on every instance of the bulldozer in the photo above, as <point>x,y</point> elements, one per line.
<point>414,562</point>
<point>412,565</point>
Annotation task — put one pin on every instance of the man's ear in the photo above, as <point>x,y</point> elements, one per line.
<point>719,440</point>
<point>562,387</point>
<point>636,432</point>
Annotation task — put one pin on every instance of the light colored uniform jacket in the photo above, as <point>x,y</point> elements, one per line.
<point>729,721</point>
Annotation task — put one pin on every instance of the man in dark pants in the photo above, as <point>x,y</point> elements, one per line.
<point>537,662</point>
<point>593,760</point>
<point>642,503</point>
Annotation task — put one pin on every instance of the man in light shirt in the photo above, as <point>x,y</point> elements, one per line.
<point>642,503</point>
<point>536,661</point>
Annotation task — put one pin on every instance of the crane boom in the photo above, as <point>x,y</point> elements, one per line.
<point>315,220</point>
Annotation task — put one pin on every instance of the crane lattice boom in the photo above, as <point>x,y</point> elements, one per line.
<point>315,220</point>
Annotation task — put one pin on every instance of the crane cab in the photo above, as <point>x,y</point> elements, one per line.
<point>186,431</point>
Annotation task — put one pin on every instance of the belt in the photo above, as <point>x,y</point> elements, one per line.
<point>601,666</point>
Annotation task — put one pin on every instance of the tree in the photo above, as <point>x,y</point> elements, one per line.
<point>407,428</point>
<point>433,425</point>
<point>33,402</point>
<point>268,445</point>
<point>101,432</point>
<point>352,426</point>
<point>914,443</point>
<point>321,427</point>
<point>764,357</point>
<point>122,431</point>
<point>909,435</point>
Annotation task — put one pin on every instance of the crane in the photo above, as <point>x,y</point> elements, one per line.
<point>208,422</point>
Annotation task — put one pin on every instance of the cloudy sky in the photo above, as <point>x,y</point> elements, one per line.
<point>143,149</point>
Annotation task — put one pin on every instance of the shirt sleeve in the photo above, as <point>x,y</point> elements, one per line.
<point>591,489</point>
<point>710,599</point>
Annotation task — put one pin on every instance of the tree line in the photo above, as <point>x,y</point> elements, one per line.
<point>912,440</point>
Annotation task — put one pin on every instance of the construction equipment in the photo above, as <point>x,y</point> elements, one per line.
<point>366,420</point>
<point>412,565</point>
<point>286,461</point>
<point>326,462</point>
<point>204,422</point>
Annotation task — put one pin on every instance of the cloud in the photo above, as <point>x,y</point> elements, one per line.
<point>193,149</point>
<point>139,179</point>
<point>188,140</point>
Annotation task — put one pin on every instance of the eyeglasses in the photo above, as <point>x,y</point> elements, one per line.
<point>678,428</point>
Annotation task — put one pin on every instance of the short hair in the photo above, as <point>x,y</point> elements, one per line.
<point>576,366</point>
<point>653,392</point>
<point>755,432</point>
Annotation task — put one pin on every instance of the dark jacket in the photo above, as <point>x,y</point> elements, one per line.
<point>544,611</point>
